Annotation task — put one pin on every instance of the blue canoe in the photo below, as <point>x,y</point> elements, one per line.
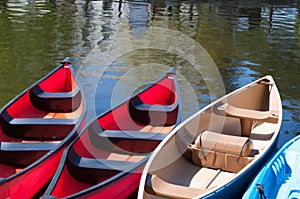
<point>280,177</point>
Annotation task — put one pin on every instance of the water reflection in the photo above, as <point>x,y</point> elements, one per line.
<point>246,39</point>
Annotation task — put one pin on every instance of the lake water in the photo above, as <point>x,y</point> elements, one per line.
<point>117,46</point>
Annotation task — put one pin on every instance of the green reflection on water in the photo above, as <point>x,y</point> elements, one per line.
<point>34,38</point>
<point>246,40</point>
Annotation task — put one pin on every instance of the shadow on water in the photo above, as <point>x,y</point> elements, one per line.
<point>246,39</point>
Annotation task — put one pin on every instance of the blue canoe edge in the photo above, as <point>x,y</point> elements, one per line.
<point>280,176</point>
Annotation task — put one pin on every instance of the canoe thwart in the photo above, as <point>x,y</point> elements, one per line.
<point>101,164</point>
<point>265,116</point>
<point>124,141</point>
<point>140,105</point>
<point>55,101</point>
<point>134,135</point>
<point>247,116</point>
<point>31,128</point>
<point>92,169</point>
<point>23,154</point>
<point>27,146</point>
<point>141,112</point>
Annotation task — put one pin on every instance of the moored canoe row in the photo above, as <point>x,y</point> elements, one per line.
<point>47,150</point>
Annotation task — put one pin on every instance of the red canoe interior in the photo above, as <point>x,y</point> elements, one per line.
<point>87,146</point>
<point>62,75</point>
<point>60,81</point>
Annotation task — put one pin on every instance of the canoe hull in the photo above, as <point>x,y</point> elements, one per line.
<point>280,175</point>
<point>215,152</point>
<point>30,158</point>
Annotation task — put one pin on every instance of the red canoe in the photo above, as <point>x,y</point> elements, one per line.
<point>35,128</point>
<point>106,160</point>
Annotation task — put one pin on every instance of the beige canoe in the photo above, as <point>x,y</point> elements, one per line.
<point>216,152</point>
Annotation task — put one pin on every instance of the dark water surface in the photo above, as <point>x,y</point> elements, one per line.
<point>118,45</point>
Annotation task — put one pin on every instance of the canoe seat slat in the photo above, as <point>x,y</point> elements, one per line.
<point>32,146</point>
<point>153,114</point>
<point>266,116</point>
<point>91,170</point>
<point>133,135</point>
<point>42,121</point>
<point>37,121</point>
<point>99,164</point>
<point>55,101</point>
<point>23,154</point>
<point>36,128</point>
<point>247,116</point>
<point>124,141</point>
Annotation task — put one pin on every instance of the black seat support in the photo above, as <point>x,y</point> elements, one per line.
<point>102,164</point>
<point>92,170</point>
<point>55,101</point>
<point>157,115</point>
<point>36,128</point>
<point>141,106</point>
<point>23,154</point>
<point>124,141</point>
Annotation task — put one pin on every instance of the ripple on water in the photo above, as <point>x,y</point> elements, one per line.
<point>19,9</point>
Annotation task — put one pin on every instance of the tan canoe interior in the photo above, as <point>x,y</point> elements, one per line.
<point>214,146</point>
